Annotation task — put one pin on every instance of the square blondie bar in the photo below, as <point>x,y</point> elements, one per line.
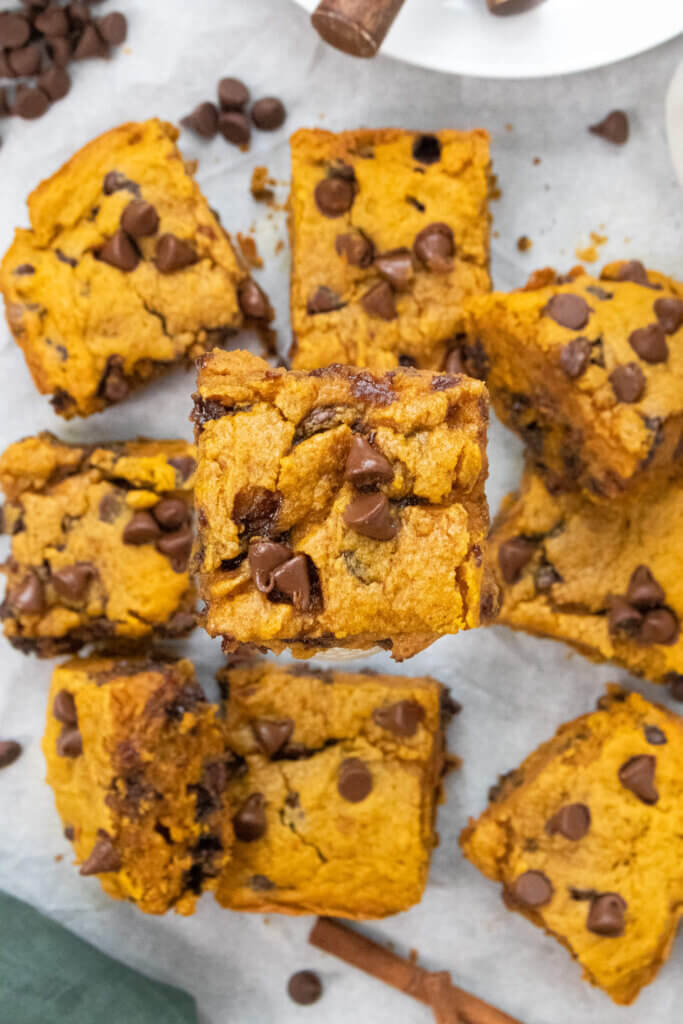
<point>101,538</point>
<point>390,234</point>
<point>588,372</point>
<point>124,272</point>
<point>586,837</point>
<point>337,508</point>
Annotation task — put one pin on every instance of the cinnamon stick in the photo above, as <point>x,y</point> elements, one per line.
<point>435,989</point>
<point>356,27</point>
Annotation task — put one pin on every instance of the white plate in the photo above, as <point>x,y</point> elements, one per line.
<point>555,38</point>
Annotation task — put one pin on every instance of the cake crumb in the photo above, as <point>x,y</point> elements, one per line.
<point>249,251</point>
<point>260,182</point>
<point>524,243</point>
<point>589,253</point>
<point>536,161</point>
<point>413,956</point>
<point>495,191</point>
<point>280,246</point>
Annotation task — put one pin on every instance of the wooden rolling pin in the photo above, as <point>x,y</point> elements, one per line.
<point>356,27</point>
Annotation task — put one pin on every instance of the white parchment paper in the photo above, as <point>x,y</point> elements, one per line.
<point>515,690</point>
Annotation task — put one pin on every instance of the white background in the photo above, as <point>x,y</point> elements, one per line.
<point>515,690</point>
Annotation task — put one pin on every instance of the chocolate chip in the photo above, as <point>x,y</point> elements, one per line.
<point>10,750</point>
<point>14,30</point>
<point>272,736</point>
<point>628,382</point>
<point>650,343</point>
<point>675,682</point>
<point>114,386</point>
<point>304,988</point>
<point>24,270</point>
<point>606,915</point>
<point>455,362</point>
<point>103,857</point>
<point>613,128</point>
<point>568,310</point>
<point>26,61</point>
<point>264,556</point>
<point>64,708</point>
<point>546,577</point>
<point>435,247</point>
<point>427,149</point>
<point>396,267</point>
<point>292,579</point>
<point>379,301</point>
<point>635,272</point>
<point>203,120</point>
<point>170,513</point>
<point>599,292</point>
<point>643,590</point>
<point>370,516</point>
<point>256,509</point>
<point>140,219</point>
<point>177,547</point>
<point>513,555</point>
<point>184,465</point>
<point>532,889</point>
<point>623,617</point>
<point>232,94</point>
<point>655,736</point>
<point>234,127</point>
<point>60,49</point>
<point>110,506</point>
<point>73,581</point>
<point>113,28</point>
<point>354,780</point>
<point>253,301</point>
<point>660,626</point>
<point>120,252</point>
<point>334,196</point>
<point>575,356</point>
<point>669,313</point>
<point>115,181</point>
<point>358,250</point>
<point>250,821</point>
<point>323,300</point>
<point>69,742</point>
<point>30,103</point>
<point>638,775</point>
<point>402,718</point>
<point>55,82</point>
<point>142,528</point>
<point>173,253</point>
<point>268,114</point>
<point>261,883</point>
<point>365,466</point>
<point>571,821</point>
<point>52,22</point>
<point>90,44</point>
<point>29,596</point>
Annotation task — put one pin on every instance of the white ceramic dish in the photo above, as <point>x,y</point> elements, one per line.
<point>555,38</point>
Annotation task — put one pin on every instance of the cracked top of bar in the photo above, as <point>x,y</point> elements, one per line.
<point>125,271</point>
<point>338,508</point>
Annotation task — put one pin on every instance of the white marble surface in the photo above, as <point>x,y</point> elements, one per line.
<point>515,689</point>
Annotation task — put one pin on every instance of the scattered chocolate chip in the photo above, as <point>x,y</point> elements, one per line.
<point>203,120</point>
<point>268,114</point>
<point>52,22</point>
<point>323,300</point>
<point>660,626</point>
<point>354,780</point>
<point>110,506</point>
<point>304,988</point>
<point>655,736</point>
<point>256,510</point>
<point>643,590</point>
<point>103,857</point>
<point>115,181</point>
<point>272,736</point>
<point>120,252</point>
<point>292,579</point>
<point>250,821</point>
<point>141,528</point>
<point>114,386</point>
<point>60,49</point>
<point>370,515</point>
<point>402,718</point>
<point>261,883</point>
<point>532,889</point>
<point>140,219</point>
<point>264,556</point>
<point>365,466</point>
<point>599,292</point>
<point>24,270</point>
<point>253,301</point>
<point>177,547</point>
<point>396,267</point>
<point>650,343</point>
<point>69,742</point>
<point>91,44</point>
<point>613,128</point>
<point>29,596</point>
<point>234,127</point>
<point>628,382</point>
<point>171,513</point>
<point>55,83</point>
<point>427,149</point>
<point>10,750</point>
<point>232,94</point>
<point>113,28</point>
<point>568,310</point>
<point>358,250</point>
<point>184,466</point>
<point>173,253</point>
<point>334,196</point>
<point>669,313</point>
<point>435,247</point>
<point>575,356</point>
<point>15,30</point>
<point>546,577</point>
<point>623,617</point>
<point>571,821</point>
<point>30,103</point>
<point>635,272</point>
<point>379,301</point>
<point>513,556</point>
<point>638,775</point>
<point>64,708</point>
<point>606,915</point>
<point>73,581</point>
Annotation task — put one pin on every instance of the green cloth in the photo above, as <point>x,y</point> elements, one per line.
<point>50,976</point>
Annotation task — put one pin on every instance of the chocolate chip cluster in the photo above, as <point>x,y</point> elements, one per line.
<point>642,614</point>
<point>168,526</point>
<point>229,117</point>
<point>38,43</point>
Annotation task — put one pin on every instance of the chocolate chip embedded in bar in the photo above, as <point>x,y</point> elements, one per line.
<point>357,27</point>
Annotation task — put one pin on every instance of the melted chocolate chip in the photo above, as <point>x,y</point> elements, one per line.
<point>354,780</point>
<point>292,580</point>
<point>256,509</point>
<point>513,556</point>
<point>264,556</point>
